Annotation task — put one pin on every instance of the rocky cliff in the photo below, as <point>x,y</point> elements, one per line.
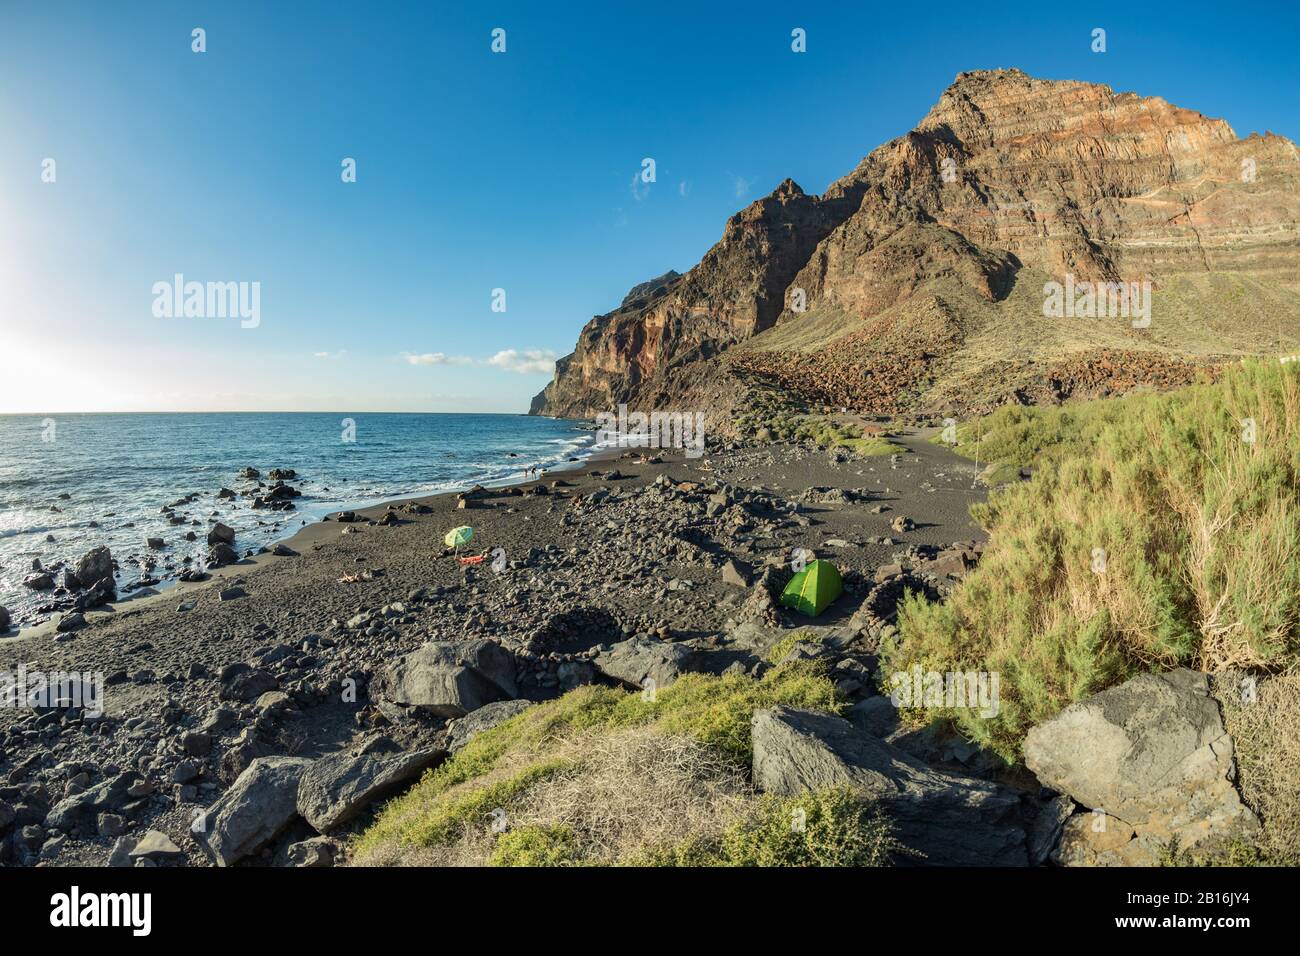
<point>917,281</point>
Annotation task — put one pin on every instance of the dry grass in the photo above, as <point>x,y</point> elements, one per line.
<point>688,745</point>
<point>616,794</point>
<point>1266,732</point>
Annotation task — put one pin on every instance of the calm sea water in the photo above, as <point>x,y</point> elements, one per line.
<point>120,470</point>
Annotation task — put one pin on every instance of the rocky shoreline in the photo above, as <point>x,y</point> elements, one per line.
<point>69,587</point>
<point>261,715</point>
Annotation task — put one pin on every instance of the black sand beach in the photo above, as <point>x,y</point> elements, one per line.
<point>628,547</point>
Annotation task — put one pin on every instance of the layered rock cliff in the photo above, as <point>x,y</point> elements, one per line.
<point>916,282</point>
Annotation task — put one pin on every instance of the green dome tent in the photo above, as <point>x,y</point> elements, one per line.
<point>813,588</point>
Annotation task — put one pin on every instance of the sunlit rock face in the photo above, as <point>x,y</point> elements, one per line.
<point>910,258</point>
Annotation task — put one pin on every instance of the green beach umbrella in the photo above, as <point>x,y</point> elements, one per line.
<point>458,536</point>
<point>813,588</point>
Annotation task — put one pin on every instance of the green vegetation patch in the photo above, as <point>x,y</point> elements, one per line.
<point>536,845</point>
<point>1159,530</point>
<point>831,827</point>
<point>501,764</point>
<point>787,424</point>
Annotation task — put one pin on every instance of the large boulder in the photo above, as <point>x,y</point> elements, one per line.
<point>220,555</point>
<point>461,732</point>
<point>1152,753</point>
<point>95,566</point>
<point>256,809</point>
<point>450,679</point>
<point>337,788</point>
<point>641,659</point>
<point>951,820</point>
<point>1098,839</point>
<point>4,618</point>
<point>221,534</point>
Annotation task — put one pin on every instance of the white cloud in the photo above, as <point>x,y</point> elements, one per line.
<point>529,360</point>
<point>742,186</point>
<point>329,355</point>
<point>511,360</point>
<point>683,188</point>
<point>437,358</point>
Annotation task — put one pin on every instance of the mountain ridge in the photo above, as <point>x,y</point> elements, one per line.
<point>917,275</point>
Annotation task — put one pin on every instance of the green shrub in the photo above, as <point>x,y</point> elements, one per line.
<point>419,819</point>
<point>1152,535</point>
<point>839,829</point>
<point>535,846</point>
<point>831,827</point>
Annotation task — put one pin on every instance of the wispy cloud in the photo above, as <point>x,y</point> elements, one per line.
<point>330,355</point>
<point>683,189</point>
<point>741,185</point>
<point>436,358</point>
<point>511,360</point>
<point>640,188</point>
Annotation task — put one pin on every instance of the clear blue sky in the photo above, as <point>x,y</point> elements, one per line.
<point>475,170</point>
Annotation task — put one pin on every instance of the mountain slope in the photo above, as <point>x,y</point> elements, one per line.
<point>916,283</point>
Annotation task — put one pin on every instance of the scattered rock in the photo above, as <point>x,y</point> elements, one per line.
<point>70,622</point>
<point>154,845</point>
<point>260,804</point>
<point>736,573</point>
<point>247,684</point>
<point>318,851</point>
<point>220,555</point>
<point>221,534</point>
<point>80,808</point>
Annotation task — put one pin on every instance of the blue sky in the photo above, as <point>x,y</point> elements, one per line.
<point>475,170</point>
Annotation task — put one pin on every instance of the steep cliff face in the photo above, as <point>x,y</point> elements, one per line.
<point>923,269</point>
<point>735,292</point>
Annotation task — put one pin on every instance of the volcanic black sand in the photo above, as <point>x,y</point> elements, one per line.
<point>592,561</point>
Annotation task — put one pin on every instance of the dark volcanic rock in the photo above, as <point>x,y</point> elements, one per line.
<point>259,806</point>
<point>450,679</point>
<point>335,789</point>
<point>952,820</point>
